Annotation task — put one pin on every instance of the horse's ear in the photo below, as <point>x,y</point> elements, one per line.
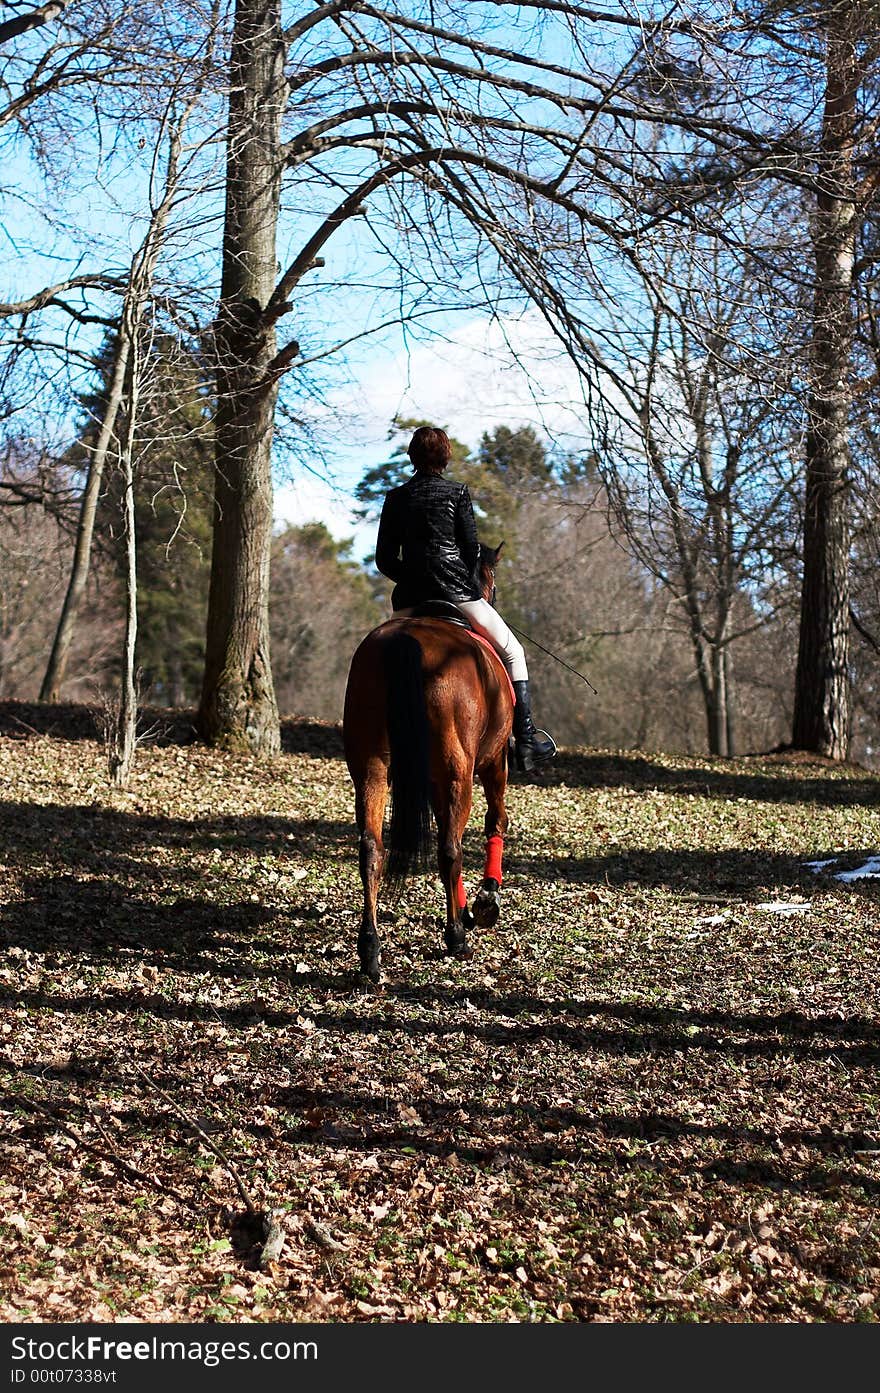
<point>498,550</point>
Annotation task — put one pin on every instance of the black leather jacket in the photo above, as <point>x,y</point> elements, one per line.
<point>427,542</point>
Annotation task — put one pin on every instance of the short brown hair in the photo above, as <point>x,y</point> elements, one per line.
<point>429,450</point>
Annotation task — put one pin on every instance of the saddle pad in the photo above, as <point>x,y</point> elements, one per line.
<point>492,649</point>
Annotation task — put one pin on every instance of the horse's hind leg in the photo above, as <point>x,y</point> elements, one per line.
<point>452,815</point>
<point>487,905</point>
<point>371,797</point>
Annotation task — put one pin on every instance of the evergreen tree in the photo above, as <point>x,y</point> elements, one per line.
<point>173,495</point>
<point>173,500</point>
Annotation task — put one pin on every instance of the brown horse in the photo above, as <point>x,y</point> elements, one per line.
<point>428,705</point>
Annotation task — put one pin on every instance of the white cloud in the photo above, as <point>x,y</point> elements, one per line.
<point>484,374</point>
<point>480,375</point>
<point>310,499</point>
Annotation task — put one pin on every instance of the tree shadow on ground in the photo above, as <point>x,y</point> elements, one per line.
<point>677,1034</point>
<point>733,874</point>
<point>95,920</point>
<point>84,865</point>
<point>486,1131</point>
<point>347,1122</point>
<point>82,837</point>
<point>99,879</point>
<point>776,779</point>
<point>157,725</point>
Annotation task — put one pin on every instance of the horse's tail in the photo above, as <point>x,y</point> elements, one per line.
<point>408,839</point>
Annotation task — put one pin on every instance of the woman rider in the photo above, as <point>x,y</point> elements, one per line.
<point>427,544</point>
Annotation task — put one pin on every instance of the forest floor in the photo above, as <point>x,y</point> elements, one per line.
<point>648,1097</point>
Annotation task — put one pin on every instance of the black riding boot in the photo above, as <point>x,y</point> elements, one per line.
<point>529,745</point>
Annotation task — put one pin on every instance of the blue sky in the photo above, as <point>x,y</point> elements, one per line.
<point>479,375</point>
<point>475,373</point>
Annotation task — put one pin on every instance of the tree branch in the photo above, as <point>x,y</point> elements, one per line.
<point>101,280</point>
<point>44,14</point>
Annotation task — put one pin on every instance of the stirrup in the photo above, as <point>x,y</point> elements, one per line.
<point>527,761</point>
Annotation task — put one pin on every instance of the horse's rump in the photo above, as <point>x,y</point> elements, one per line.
<point>466,684</point>
<point>428,698</point>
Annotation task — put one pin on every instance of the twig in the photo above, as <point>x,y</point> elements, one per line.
<point>692,1271</point>
<point>322,1236</point>
<point>208,1141</point>
<point>24,725</point>
<point>127,1169</point>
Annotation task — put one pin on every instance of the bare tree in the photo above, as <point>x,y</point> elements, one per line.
<point>698,458</point>
<point>740,92</point>
<point>165,192</point>
<point>37,524</point>
<point>238,700</point>
<point>99,66</point>
<point>123,737</point>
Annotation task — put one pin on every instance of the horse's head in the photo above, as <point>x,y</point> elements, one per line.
<point>488,561</point>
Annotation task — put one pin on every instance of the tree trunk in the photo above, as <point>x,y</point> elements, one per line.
<point>125,735</point>
<point>728,696</point>
<point>716,708</point>
<point>822,684</point>
<point>79,571</point>
<point>238,708</point>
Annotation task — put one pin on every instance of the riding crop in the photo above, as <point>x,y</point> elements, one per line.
<point>552,655</point>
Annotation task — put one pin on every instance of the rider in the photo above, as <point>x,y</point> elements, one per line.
<point>427,544</point>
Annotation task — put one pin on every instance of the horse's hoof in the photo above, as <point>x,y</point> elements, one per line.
<point>456,942</point>
<point>487,908</point>
<point>371,969</point>
<point>464,952</point>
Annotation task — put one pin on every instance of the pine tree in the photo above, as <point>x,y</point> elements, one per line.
<point>173,488</point>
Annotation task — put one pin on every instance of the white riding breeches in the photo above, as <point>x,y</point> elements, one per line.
<point>487,622</point>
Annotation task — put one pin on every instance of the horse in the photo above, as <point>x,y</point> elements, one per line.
<point>428,706</point>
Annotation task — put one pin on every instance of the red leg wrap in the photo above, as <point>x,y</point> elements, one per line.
<point>493,859</point>
<point>462,893</point>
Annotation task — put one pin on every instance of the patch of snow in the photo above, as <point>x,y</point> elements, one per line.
<point>714,919</point>
<point>784,906</point>
<point>870,868</point>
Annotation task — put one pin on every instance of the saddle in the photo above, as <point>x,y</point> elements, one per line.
<point>439,609</point>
